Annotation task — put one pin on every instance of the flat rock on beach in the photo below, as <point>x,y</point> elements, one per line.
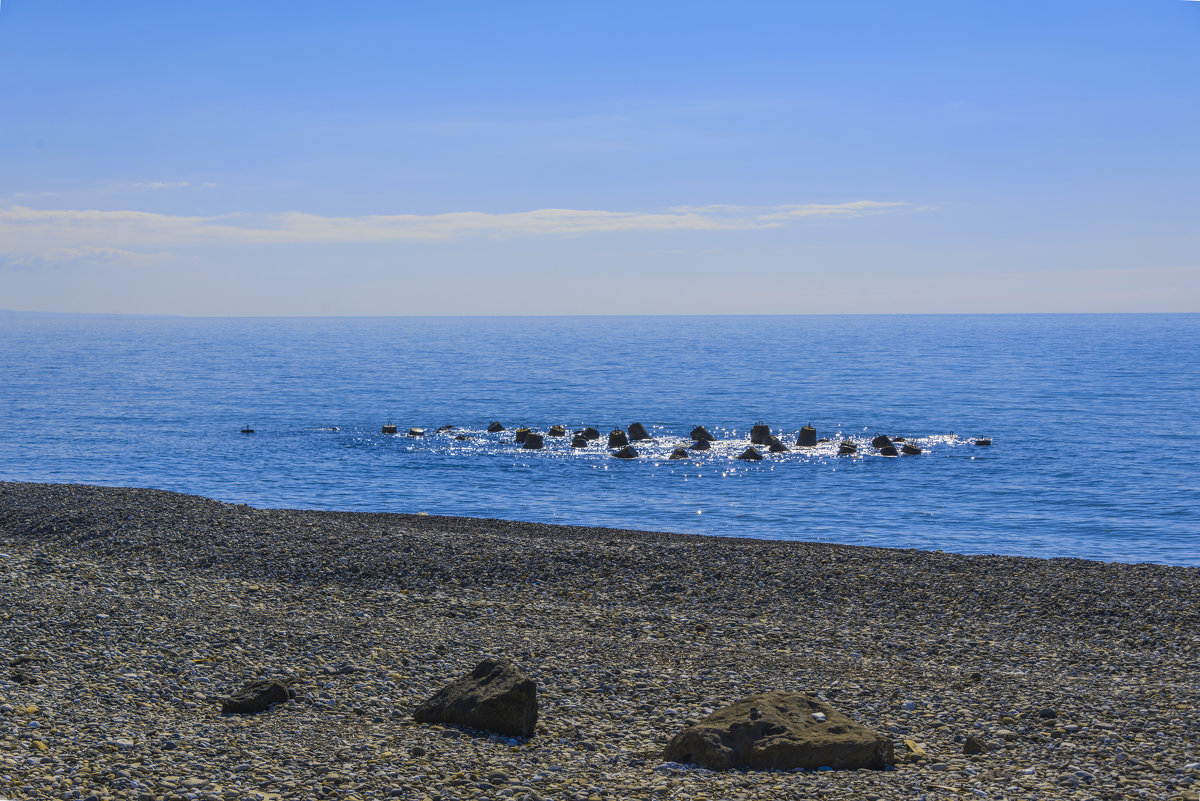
<point>129,615</point>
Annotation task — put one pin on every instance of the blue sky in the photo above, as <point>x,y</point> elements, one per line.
<point>616,158</point>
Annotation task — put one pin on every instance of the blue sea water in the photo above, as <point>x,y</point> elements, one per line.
<point>1096,450</point>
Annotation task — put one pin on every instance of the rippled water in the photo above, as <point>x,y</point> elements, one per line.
<point>1093,417</point>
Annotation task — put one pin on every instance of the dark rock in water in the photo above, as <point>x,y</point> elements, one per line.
<point>617,439</point>
<point>700,445</point>
<point>461,437</point>
<point>416,432</point>
<point>590,433</point>
<point>775,446</point>
<point>807,437</point>
<point>496,697</point>
<point>759,434</point>
<point>910,449</point>
<point>256,697</point>
<point>628,452</point>
<point>495,427</point>
<point>446,428</point>
<point>532,441</point>
<point>750,455</point>
<point>898,439</point>
<point>973,746</point>
<point>881,441</point>
<point>701,433</point>
<point>888,450</point>
<point>780,731</point>
<point>983,443</point>
<point>520,434</point>
<point>637,432</point>
<point>579,441</point>
<point>389,429</point>
<point>679,453</point>
<point>846,448</point>
<point>558,431</point>
<point>823,440</point>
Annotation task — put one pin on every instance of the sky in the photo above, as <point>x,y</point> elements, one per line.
<point>400,158</point>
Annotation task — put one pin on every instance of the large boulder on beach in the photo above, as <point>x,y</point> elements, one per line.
<point>638,432</point>
<point>617,439</point>
<point>496,697</point>
<point>780,731</point>
<point>255,697</point>
<point>701,433</point>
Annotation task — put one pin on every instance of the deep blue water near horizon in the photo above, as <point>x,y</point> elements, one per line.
<point>1093,418</point>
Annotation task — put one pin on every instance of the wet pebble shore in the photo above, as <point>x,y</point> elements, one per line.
<point>128,614</point>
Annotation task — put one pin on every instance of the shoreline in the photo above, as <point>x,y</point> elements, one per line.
<point>139,609</point>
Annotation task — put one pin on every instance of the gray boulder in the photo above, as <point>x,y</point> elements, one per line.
<point>780,731</point>
<point>496,696</point>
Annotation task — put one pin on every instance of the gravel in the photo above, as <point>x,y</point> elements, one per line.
<point>130,614</point>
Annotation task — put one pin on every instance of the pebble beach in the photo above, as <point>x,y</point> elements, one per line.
<point>129,614</point>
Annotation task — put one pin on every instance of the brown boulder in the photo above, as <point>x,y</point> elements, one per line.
<point>780,731</point>
<point>496,696</point>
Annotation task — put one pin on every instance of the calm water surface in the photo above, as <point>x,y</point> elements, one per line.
<point>1094,419</point>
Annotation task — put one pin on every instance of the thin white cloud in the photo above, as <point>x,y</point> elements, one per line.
<point>63,234</point>
<point>161,185</point>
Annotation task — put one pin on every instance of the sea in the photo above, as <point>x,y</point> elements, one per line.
<point>1094,421</point>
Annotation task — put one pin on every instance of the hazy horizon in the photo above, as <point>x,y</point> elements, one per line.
<point>282,159</point>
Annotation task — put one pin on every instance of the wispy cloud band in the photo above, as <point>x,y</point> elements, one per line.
<point>66,234</point>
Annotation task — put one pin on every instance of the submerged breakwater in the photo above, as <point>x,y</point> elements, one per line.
<point>1092,418</point>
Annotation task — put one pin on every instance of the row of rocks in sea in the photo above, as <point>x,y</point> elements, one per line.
<point>619,440</point>
<point>130,615</point>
